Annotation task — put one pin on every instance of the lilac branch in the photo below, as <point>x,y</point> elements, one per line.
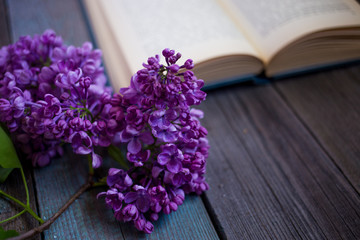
<point>51,220</point>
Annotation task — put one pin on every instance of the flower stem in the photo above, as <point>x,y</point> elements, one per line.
<point>26,187</point>
<point>26,207</point>
<point>91,169</point>
<point>99,184</point>
<point>47,224</point>
<point>13,217</point>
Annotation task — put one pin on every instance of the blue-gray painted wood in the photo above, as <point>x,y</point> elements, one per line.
<point>270,178</point>
<point>329,105</point>
<point>14,185</point>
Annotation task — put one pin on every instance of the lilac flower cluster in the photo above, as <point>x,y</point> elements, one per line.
<point>166,144</point>
<point>53,94</point>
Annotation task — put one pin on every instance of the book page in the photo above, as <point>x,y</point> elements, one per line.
<point>199,29</point>
<point>272,24</point>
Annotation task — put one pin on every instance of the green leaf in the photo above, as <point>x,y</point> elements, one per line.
<point>116,154</point>
<point>8,156</point>
<point>4,173</point>
<point>7,234</point>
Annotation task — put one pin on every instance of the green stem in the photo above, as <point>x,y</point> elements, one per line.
<point>26,187</point>
<point>27,208</point>
<point>91,169</point>
<point>99,184</point>
<point>13,217</point>
<point>47,224</point>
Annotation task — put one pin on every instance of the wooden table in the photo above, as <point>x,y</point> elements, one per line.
<point>284,160</point>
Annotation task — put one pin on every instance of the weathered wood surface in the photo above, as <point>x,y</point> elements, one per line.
<point>283,164</point>
<point>329,105</point>
<point>270,178</point>
<point>89,218</point>
<point>14,184</point>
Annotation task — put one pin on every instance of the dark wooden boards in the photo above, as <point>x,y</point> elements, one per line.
<point>15,187</point>
<point>284,159</point>
<point>329,104</point>
<point>14,184</point>
<point>269,178</point>
<point>4,25</point>
<point>88,218</point>
<point>35,16</point>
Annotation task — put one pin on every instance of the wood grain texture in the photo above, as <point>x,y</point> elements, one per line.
<point>4,26</point>
<point>15,187</point>
<point>88,218</point>
<point>14,184</point>
<point>35,16</point>
<point>269,178</point>
<point>329,104</point>
<point>190,221</point>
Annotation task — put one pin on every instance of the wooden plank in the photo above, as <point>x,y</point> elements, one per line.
<point>190,221</point>
<point>329,105</point>
<point>15,187</point>
<point>269,178</point>
<point>88,218</point>
<point>14,184</point>
<point>4,28</point>
<point>34,17</point>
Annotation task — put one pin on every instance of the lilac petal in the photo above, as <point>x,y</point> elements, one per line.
<point>171,137</point>
<point>131,197</point>
<point>128,181</point>
<point>113,171</point>
<point>154,121</point>
<point>143,204</point>
<point>111,180</point>
<point>197,113</point>
<point>73,76</point>
<point>125,136</point>
<point>163,158</point>
<point>43,160</point>
<point>174,166</point>
<point>46,74</point>
<point>168,176</point>
<point>177,180</point>
<point>140,224</point>
<point>132,131</point>
<point>96,160</point>
<point>100,195</point>
<point>147,138</point>
<point>86,139</point>
<point>82,150</point>
<point>171,115</point>
<point>156,171</point>
<point>134,146</point>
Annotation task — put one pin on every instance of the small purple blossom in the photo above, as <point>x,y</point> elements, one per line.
<point>51,92</point>
<point>166,144</point>
<point>119,179</point>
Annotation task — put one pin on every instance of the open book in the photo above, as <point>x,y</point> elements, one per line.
<point>227,39</point>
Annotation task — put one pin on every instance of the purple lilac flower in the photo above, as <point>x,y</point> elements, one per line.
<point>166,144</point>
<point>53,93</point>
